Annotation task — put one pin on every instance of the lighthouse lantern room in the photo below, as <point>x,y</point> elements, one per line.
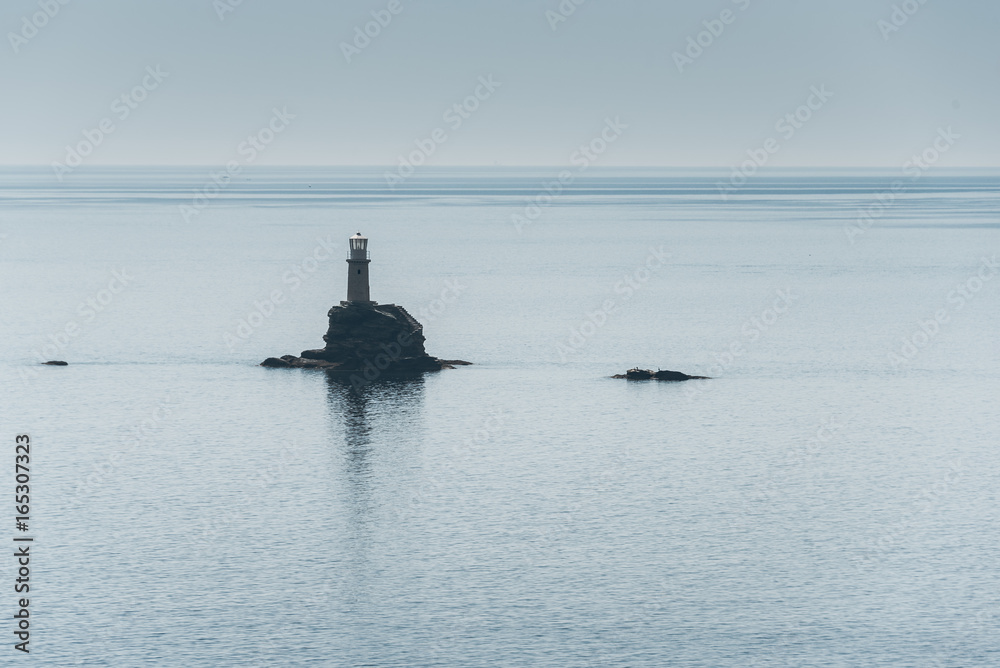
<point>357,270</point>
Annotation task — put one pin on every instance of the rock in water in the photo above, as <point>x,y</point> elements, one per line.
<point>647,374</point>
<point>56,363</point>
<point>368,337</point>
<point>676,375</point>
<point>359,332</point>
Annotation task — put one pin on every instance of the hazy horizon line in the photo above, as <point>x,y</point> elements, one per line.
<point>767,168</point>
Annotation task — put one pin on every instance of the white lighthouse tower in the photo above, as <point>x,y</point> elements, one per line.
<point>357,271</point>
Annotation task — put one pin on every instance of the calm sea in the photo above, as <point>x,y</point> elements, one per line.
<point>829,498</point>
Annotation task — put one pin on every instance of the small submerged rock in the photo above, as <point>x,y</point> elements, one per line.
<point>659,374</point>
<point>56,363</point>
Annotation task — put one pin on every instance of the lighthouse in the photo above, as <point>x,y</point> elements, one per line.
<point>365,338</point>
<point>357,271</point>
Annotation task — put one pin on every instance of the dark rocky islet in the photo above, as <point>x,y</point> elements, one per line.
<point>368,337</point>
<point>660,374</point>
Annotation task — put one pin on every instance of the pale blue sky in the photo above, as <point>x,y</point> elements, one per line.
<point>611,58</point>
